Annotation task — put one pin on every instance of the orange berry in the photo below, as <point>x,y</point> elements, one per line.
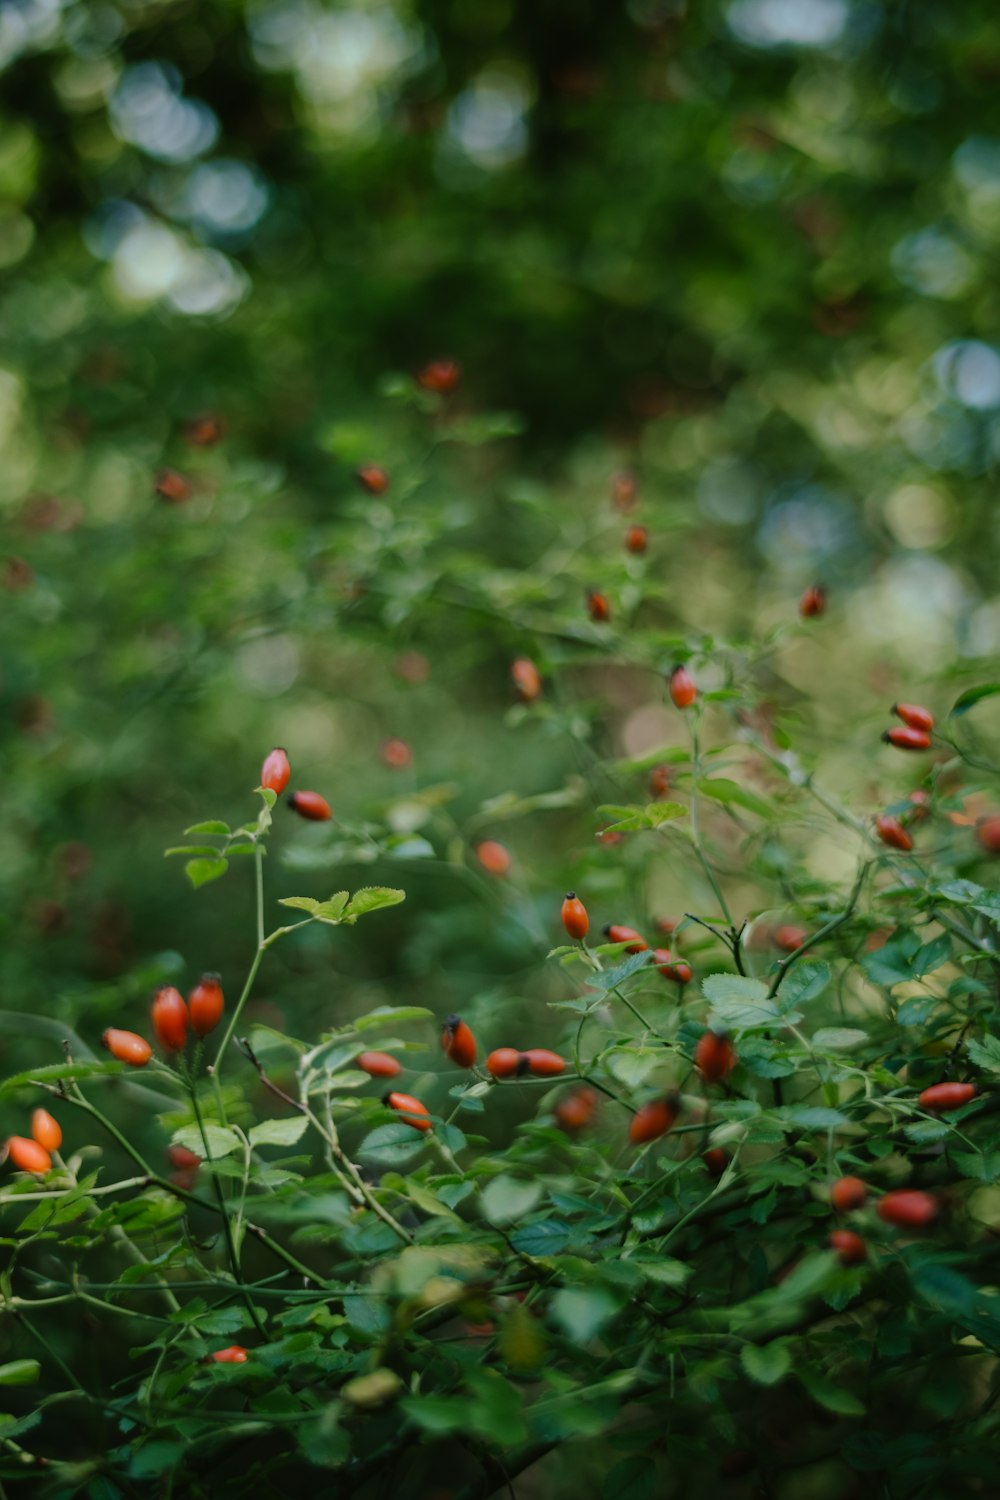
<point>682,688</point>
<point>653,1119</point>
<point>907,1208</point>
<point>458,1043</point>
<point>541,1063</point>
<point>173,487</point>
<point>677,969</point>
<point>183,1159</point>
<point>716,1160</point>
<point>409,1110</point>
<point>275,771</point>
<point>576,1110</point>
<point>624,489</point>
<point>494,858</point>
<point>126,1047</point>
<point>234,1355</point>
<point>615,933</point>
<point>904,737</point>
<point>636,539</point>
<point>311,806</point>
<point>28,1155</point>
<point>915,715</point>
<point>660,778</point>
<point>170,1018</point>
<point>574,916</point>
<point>988,834</point>
<point>598,606</point>
<point>788,937</point>
<point>206,1003</point>
<point>891,831</point>
<point>379,1064</point>
<point>526,678</point>
<point>847,1193</point>
<point>813,602</point>
<point>943,1096</point>
<point>396,754</point>
<point>850,1247</point>
<point>373,478</point>
<point>46,1130</point>
<point>714,1056</point>
<point>204,432</point>
<point>440,375</point>
<point>504,1062</point>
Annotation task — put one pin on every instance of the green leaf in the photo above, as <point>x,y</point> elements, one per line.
<point>20,1372</point>
<point>816,1117</point>
<point>730,791</point>
<point>766,1364</point>
<point>838,1038</point>
<point>221,1142</point>
<point>54,1072</point>
<point>391,1145</point>
<point>506,1198</point>
<point>739,1002</point>
<point>609,979</point>
<point>972,696</point>
<point>582,1312</point>
<point>806,981</point>
<point>372,898</point>
<point>301,903</point>
<point>931,956</point>
<point>632,1478</point>
<point>394,1014</point>
<point>822,1389</point>
<point>985,1054</point>
<point>212,826</point>
<point>201,871</point>
<point>278,1132</point>
<point>630,819</point>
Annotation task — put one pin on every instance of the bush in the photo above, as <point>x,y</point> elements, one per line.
<point>627,1247</point>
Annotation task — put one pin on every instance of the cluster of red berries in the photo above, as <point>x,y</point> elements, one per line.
<point>914,733</point>
<point>34,1153</point>
<point>274,777</point>
<point>576,921</point>
<point>171,1017</point>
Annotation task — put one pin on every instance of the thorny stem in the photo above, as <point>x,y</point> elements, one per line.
<point>333,1145</point>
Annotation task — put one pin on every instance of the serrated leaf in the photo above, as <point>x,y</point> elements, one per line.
<point>822,1389</point>
<point>394,1014</point>
<point>373,898</point>
<point>300,903</point>
<point>221,1142</point>
<point>805,982</point>
<point>212,826</point>
<point>609,979</point>
<point>766,1364</point>
<point>54,1072</point>
<point>201,871</point>
<point>278,1132</point>
<point>816,1117</point>
<point>391,1145</point>
<point>739,1002</point>
<point>985,1054</point>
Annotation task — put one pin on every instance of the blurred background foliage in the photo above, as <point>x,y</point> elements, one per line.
<point>746,251</point>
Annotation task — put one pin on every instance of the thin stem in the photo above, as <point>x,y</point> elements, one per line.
<point>695,829</point>
<point>227,1228</point>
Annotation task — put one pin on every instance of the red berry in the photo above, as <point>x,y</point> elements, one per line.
<point>653,1119</point>
<point>458,1042</point>
<point>716,1160</point>
<point>915,715</point>
<point>541,1063</point>
<point>183,1159</point>
<point>409,1110</point>
<point>576,1110</point>
<point>847,1193</point>
<point>624,488</point>
<point>677,969</point>
<point>28,1155</point>
<point>494,858</point>
<point>615,933</point>
<point>714,1056</point>
<point>234,1355</point>
<point>526,679</point>
<point>275,771</point>
<point>659,782</point>
<point>907,1208</point>
<point>46,1130</point>
<point>788,937</point>
<point>988,834</point>
<point>813,602</point>
<point>598,606</point>
<point>850,1247</point>
<point>682,688</point>
<point>204,432</point>
<point>126,1047</point>
<point>574,916</point>
<point>396,754</point>
<point>441,375</point>
<point>373,478</point>
<point>206,1003</point>
<point>311,806</point>
<point>906,738</point>
<point>942,1096</point>
<point>636,539</point>
<point>891,831</point>
<point>504,1062</point>
<point>172,486</point>
<point>379,1064</point>
<point>170,1018</point>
